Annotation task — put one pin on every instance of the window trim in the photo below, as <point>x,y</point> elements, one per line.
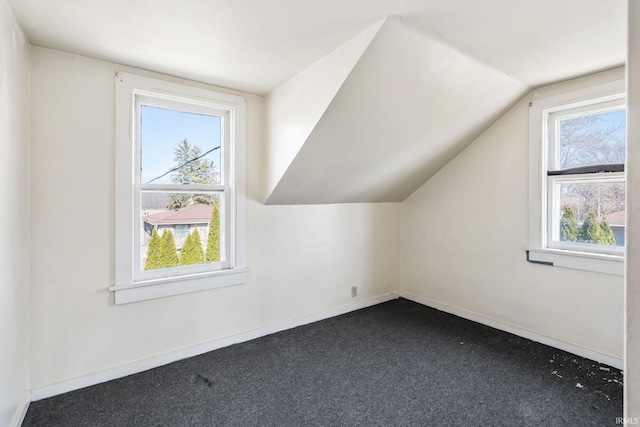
<point>538,250</point>
<point>129,287</point>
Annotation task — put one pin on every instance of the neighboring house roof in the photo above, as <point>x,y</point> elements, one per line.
<point>615,218</point>
<point>193,214</point>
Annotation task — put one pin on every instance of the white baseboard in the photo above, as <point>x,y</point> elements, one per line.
<point>610,360</point>
<point>21,412</point>
<point>163,359</point>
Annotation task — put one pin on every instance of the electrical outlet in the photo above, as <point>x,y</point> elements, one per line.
<point>354,291</point>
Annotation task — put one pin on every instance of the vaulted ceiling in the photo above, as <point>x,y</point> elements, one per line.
<point>408,106</point>
<point>365,99</point>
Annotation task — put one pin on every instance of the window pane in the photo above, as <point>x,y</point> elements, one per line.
<point>592,139</point>
<point>179,229</point>
<point>591,212</point>
<point>178,147</point>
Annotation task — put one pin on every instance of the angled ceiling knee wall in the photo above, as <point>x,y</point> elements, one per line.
<point>375,119</point>
<point>293,109</point>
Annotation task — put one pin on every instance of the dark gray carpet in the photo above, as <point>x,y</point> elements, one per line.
<point>395,364</point>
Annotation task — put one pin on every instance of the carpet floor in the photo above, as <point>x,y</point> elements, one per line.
<point>393,364</point>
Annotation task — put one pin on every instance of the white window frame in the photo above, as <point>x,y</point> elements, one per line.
<point>131,283</point>
<point>542,248</point>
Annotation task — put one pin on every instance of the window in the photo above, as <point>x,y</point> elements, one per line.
<point>181,232</point>
<point>180,189</point>
<point>577,179</point>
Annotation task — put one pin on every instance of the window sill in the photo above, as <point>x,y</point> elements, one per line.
<point>159,288</point>
<point>599,263</point>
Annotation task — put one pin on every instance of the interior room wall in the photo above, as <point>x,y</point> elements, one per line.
<point>632,373</point>
<point>302,259</point>
<point>464,235</point>
<point>14,216</point>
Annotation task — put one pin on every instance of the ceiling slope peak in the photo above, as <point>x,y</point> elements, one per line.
<point>422,32</point>
<point>409,106</point>
<point>294,108</point>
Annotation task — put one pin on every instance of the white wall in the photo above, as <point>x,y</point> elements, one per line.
<point>303,259</point>
<point>632,370</point>
<point>464,238</point>
<point>14,217</point>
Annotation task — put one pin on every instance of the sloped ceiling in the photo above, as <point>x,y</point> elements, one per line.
<point>409,106</point>
<point>366,98</point>
<point>294,109</point>
<point>536,41</point>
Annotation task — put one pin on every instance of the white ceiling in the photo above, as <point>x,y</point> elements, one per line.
<point>429,78</point>
<point>408,106</point>
<point>255,45</point>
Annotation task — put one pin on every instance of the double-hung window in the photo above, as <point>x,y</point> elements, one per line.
<point>577,179</point>
<point>180,189</point>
